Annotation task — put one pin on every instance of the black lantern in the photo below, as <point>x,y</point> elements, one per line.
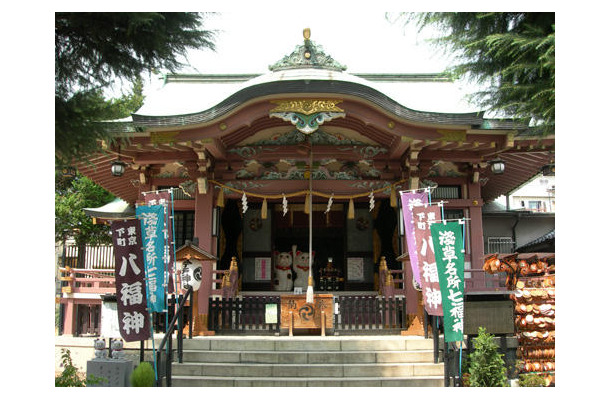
<point>548,170</point>
<point>497,166</point>
<point>68,172</point>
<point>117,168</point>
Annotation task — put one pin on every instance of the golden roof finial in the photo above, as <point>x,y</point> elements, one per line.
<point>306,33</point>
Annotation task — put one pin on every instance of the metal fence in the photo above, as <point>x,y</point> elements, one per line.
<point>500,244</point>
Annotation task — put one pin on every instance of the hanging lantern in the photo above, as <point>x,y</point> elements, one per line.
<point>548,169</point>
<point>117,168</point>
<point>497,166</point>
<point>191,275</point>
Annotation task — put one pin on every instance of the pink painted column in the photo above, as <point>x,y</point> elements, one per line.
<point>69,317</point>
<point>204,204</point>
<point>477,248</point>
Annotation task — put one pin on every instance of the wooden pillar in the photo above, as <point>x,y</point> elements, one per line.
<point>204,205</point>
<point>69,317</point>
<point>477,249</point>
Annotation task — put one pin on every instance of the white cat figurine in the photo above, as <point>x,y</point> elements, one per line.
<point>301,264</point>
<point>282,280</point>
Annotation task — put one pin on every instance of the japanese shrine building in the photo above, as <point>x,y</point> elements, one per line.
<point>242,148</point>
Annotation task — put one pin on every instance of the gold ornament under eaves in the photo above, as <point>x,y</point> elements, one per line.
<point>307,106</point>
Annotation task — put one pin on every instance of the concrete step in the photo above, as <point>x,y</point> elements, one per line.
<point>308,361</point>
<point>215,381</point>
<point>309,357</point>
<point>285,343</point>
<point>307,370</point>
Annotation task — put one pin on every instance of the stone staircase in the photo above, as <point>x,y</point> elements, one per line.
<point>308,361</point>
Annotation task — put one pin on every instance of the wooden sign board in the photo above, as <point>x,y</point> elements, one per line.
<point>496,316</point>
<point>306,315</point>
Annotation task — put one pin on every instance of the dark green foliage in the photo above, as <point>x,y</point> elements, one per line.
<point>143,375</point>
<point>512,54</point>
<point>71,196</point>
<point>531,380</point>
<point>486,366</point>
<point>95,50</point>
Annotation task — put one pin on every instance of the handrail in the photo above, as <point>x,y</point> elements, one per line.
<point>170,330</point>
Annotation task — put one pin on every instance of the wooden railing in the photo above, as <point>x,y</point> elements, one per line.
<point>476,281</point>
<point>370,314</point>
<point>361,314</point>
<point>88,257</point>
<point>245,315</point>
<point>78,280</point>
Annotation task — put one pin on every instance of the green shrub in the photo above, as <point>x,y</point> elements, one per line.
<point>70,376</point>
<point>486,366</point>
<point>531,380</point>
<point>143,375</point>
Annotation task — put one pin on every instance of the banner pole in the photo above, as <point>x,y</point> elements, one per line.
<point>173,241</point>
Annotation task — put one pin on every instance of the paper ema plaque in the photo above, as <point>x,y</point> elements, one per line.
<point>262,268</point>
<point>271,313</point>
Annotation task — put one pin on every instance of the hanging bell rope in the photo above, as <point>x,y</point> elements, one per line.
<point>308,200</point>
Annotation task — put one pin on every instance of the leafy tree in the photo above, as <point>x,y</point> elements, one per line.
<point>510,54</point>
<point>94,50</point>
<point>71,196</point>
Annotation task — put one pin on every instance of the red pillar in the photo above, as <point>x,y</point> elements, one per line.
<point>204,206</point>
<point>477,249</point>
<point>69,317</point>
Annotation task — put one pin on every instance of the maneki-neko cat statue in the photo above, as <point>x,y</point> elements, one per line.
<point>301,267</point>
<point>282,280</point>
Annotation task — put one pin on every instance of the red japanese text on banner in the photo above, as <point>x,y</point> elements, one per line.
<point>448,246</point>
<point>408,201</point>
<point>423,216</point>
<point>134,321</point>
<point>164,198</point>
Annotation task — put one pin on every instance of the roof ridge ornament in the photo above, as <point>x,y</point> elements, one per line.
<point>307,114</point>
<point>307,55</point>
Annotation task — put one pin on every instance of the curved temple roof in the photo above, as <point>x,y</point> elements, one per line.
<point>186,99</point>
<point>408,118</point>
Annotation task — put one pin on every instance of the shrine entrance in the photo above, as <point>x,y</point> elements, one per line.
<point>278,246</point>
<point>328,244</point>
